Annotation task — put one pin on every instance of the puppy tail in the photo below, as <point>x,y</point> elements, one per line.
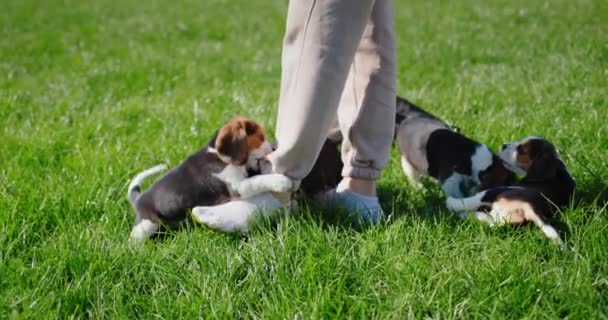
<point>134,189</point>
<point>544,224</point>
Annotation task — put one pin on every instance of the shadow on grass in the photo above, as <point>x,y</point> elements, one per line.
<point>592,192</point>
<point>426,203</point>
<point>166,232</point>
<point>398,202</point>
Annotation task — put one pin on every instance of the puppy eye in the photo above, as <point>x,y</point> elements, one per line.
<point>520,149</point>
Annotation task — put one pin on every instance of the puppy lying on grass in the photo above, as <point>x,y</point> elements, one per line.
<point>213,175</point>
<point>230,216</point>
<point>547,185</point>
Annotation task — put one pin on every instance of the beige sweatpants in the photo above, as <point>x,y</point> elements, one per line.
<point>338,56</point>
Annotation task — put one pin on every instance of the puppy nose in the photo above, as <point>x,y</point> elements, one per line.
<point>504,146</point>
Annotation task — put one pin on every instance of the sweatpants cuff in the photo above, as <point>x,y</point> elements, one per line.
<point>361,173</point>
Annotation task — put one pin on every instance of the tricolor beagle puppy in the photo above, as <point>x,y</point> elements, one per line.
<point>547,183</point>
<point>235,216</point>
<point>213,175</point>
<point>430,146</point>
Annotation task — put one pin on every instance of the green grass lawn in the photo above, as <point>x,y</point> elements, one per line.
<point>92,92</point>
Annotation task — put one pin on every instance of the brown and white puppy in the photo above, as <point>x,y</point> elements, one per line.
<point>235,216</point>
<point>215,174</point>
<point>430,146</point>
<point>547,184</point>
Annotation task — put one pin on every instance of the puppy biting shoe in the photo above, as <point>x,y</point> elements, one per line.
<point>365,210</point>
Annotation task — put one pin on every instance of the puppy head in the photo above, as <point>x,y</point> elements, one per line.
<point>534,157</point>
<point>496,175</point>
<point>241,141</point>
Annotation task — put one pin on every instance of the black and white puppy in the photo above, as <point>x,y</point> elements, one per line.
<point>215,174</point>
<point>547,184</point>
<point>430,146</point>
<point>326,172</point>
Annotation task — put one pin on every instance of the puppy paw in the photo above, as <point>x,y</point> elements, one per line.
<point>452,203</point>
<point>206,216</point>
<point>280,183</point>
<point>143,231</point>
<point>229,217</point>
<point>484,218</point>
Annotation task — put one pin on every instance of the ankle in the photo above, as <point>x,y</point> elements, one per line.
<point>360,186</point>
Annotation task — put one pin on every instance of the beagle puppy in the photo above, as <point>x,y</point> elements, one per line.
<point>235,216</point>
<point>215,174</point>
<point>430,146</point>
<point>547,184</point>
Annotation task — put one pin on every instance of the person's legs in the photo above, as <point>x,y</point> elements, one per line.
<point>367,114</point>
<point>320,42</point>
<point>367,108</point>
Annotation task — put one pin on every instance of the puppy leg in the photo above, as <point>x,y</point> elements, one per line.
<point>412,174</point>
<point>451,186</point>
<point>484,217</point>
<point>146,221</point>
<point>552,234</point>
<point>264,183</point>
<point>547,229</point>
<point>461,205</point>
<point>143,230</point>
<point>465,204</point>
<point>520,212</point>
<point>208,217</point>
<point>234,216</point>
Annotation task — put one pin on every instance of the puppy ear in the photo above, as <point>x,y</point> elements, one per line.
<point>544,164</point>
<point>231,144</point>
<point>251,127</point>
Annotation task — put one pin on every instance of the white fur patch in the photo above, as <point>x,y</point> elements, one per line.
<point>499,215</point>
<point>235,216</point>
<point>465,204</point>
<point>451,186</point>
<point>509,156</point>
<point>255,155</point>
<point>412,174</point>
<point>140,177</point>
<point>484,217</point>
<point>481,160</point>
<point>232,175</point>
<point>236,179</point>
<point>550,232</point>
<point>264,183</point>
<point>143,230</point>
